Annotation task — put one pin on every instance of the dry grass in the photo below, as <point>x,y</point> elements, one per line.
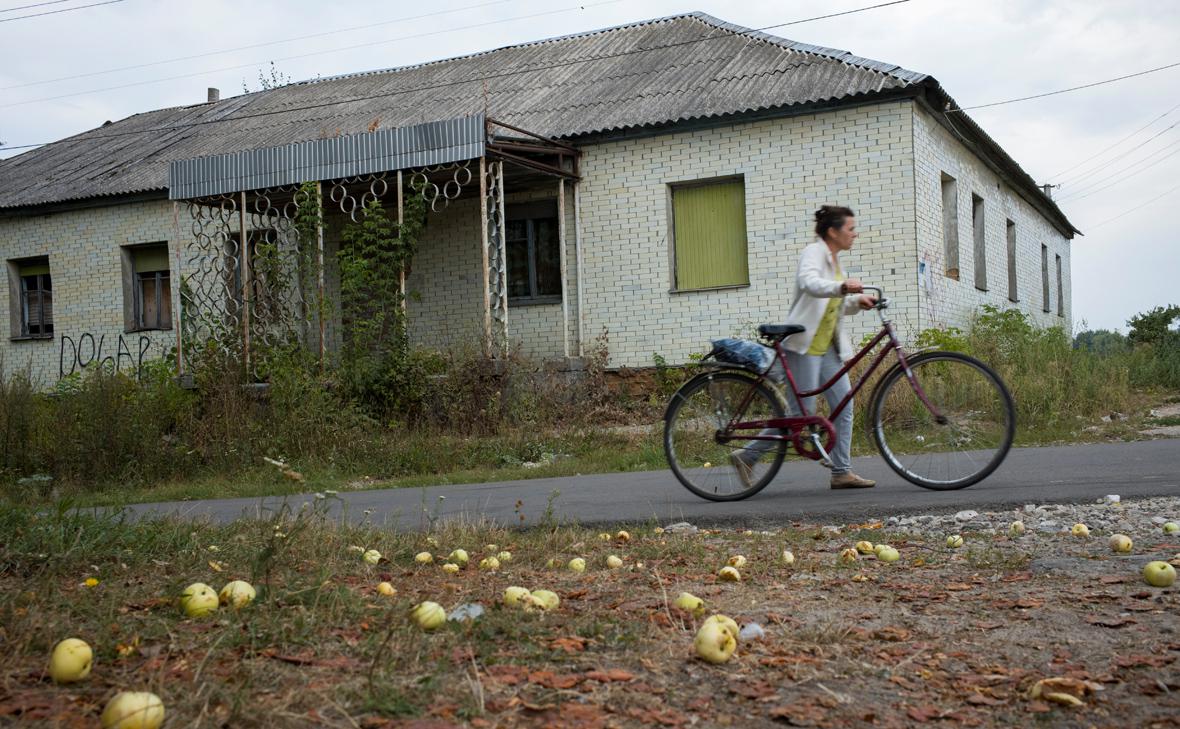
<point>858,644</point>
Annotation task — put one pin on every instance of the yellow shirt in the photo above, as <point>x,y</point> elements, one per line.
<point>827,325</point>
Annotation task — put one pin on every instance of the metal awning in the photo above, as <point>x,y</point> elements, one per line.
<point>432,143</point>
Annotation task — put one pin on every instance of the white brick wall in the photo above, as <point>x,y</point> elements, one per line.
<point>85,263</point>
<point>947,302</point>
<point>883,160</point>
<point>856,157</point>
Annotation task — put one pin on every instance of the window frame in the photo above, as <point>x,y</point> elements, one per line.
<point>133,304</point>
<point>158,276</point>
<point>1060,288</point>
<point>672,187</point>
<point>532,213</point>
<point>979,240</point>
<point>951,250</point>
<point>1045,308</point>
<point>20,329</point>
<point>1013,282</point>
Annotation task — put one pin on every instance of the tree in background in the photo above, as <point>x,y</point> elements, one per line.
<point>1155,326</point>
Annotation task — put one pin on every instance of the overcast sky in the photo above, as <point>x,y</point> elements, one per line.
<point>980,51</point>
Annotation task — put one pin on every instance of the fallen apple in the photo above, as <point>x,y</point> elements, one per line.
<point>459,557</point>
<point>729,574</point>
<point>1159,574</point>
<point>1080,530</point>
<point>888,554</point>
<point>424,558</point>
<point>613,562</point>
<point>432,541</point>
<point>1016,529</point>
<point>605,536</point>
<point>1120,543</point>
<point>847,555</point>
<point>737,560</point>
<point>864,547</point>
<point>714,643</point>
<point>553,563</point>
<point>133,710</point>
<point>690,603</point>
<point>788,557</point>
<point>546,599</point>
<point>491,547</point>
<point>1171,527</point>
<point>451,568</point>
<point>954,541</point>
<point>577,564</point>
<point>386,589</point>
<point>504,556</point>
<point>198,600</point>
<point>725,622</point>
<point>371,556</point>
<point>514,595</point>
<point>623,536</point>
<point>237,594</point>
<point>489,564</point>
<point>70,661</point>
<point>658,530</point>
<point>428,615</point>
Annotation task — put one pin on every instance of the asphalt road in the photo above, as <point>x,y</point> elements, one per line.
<point>800,492</point>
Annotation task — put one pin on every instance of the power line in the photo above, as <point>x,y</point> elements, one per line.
<point>34,5</point>
<point>1139,171</point>
<point>1063,91</point>
<point>1103,167</point>
<point>1115,173</point>
<point>63,10</point>
<point>1124,214</point>
<point>315,53</point>
<point>473,79</point>
<point>249,47</point>
<point>1104,151</point>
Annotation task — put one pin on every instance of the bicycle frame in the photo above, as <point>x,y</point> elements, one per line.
<point>792,426</point>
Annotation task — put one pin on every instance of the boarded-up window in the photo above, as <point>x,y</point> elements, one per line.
<point>950,225</point>
<point>1060,290</point>
<point>978,229</point>
<point>152,287</point>
<point>1012,295</point>
<point>534,253</point>
<point>709,234</point>
<point>30,299</point>
<point>1045,277</point>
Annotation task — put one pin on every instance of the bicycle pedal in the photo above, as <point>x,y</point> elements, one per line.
<point>826,463</point>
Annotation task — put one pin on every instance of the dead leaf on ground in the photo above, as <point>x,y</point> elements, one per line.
<point>1063,690</point>
<point>923,713</point>
<point>891,633</point>
<point>1115,622</point>
<point>610,675</point>
<point>570,644</point>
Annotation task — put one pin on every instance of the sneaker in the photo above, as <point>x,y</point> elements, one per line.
<point>849,480</point>
<point>744,470</point>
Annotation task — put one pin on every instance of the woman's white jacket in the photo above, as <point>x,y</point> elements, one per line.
<point>815,283</point>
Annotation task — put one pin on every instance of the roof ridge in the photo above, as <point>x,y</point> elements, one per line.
<point>477,54</point>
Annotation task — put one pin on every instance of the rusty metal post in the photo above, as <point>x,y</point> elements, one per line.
<point>319,243</point>
<point>244,267</point>
<point>565,308</point>
<point>578,248</point>
<point>503,246</point>
<point>402,273</point>
<point>178,308</point>
<point>483,226</point>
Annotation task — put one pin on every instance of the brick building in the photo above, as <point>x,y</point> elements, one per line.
<point>657,181</point>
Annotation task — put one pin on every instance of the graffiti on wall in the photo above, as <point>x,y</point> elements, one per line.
<point>87,350</point>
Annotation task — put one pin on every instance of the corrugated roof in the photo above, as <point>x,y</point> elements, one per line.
<point>649,73</point>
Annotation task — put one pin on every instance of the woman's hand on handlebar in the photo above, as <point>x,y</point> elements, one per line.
<point>866,302</point>
<point>852,286</point>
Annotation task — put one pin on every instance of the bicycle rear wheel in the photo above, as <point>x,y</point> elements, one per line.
<point>698,412</point>
<point>959,449</point>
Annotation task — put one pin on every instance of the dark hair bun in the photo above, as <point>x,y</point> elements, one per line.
<point>831,216</point>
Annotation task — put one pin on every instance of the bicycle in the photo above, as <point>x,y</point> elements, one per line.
<point>941,420</point>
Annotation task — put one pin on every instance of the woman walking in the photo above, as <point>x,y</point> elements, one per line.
<point>823,296</point>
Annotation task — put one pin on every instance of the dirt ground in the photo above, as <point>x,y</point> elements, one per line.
<point>942,637</point>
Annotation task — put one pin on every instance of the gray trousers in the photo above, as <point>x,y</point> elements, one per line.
<point>810,371</point>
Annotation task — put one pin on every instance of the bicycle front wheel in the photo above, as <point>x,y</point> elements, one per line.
<point>965,443</point>
<point>695,441</point>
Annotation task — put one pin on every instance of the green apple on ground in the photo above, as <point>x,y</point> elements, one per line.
<point>489,564</point>
<point>726,622</point>
<point>847,555</point>
<point>737,560</point>
<point>714,643</point>
<point>1159,574</point>
<point>954,541</point>
<point>133,710</point>
<point>1121,543</point>
<point>690,603</point>
<point>237,594</point>
<point>459,557</point>
<point>450,568</point>
<point>788,557</point>
<point>546,599</point>
<point>371,556</point>
<point>888,554</point>
<point>1080,530</point>
<point>864,547</point>
<point>70,661</point>
<point>198,600</point>
<point>613,562</point>
<point>386,589</point>
<point>577,564</point>
<point>729,574</point>
<point>424,558</point>
<point>428,615</point>
<point>1171,527</point>
<point>1016,529</point>
<point>514,595</point>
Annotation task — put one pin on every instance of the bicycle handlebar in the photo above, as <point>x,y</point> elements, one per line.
<point>882,302</point>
